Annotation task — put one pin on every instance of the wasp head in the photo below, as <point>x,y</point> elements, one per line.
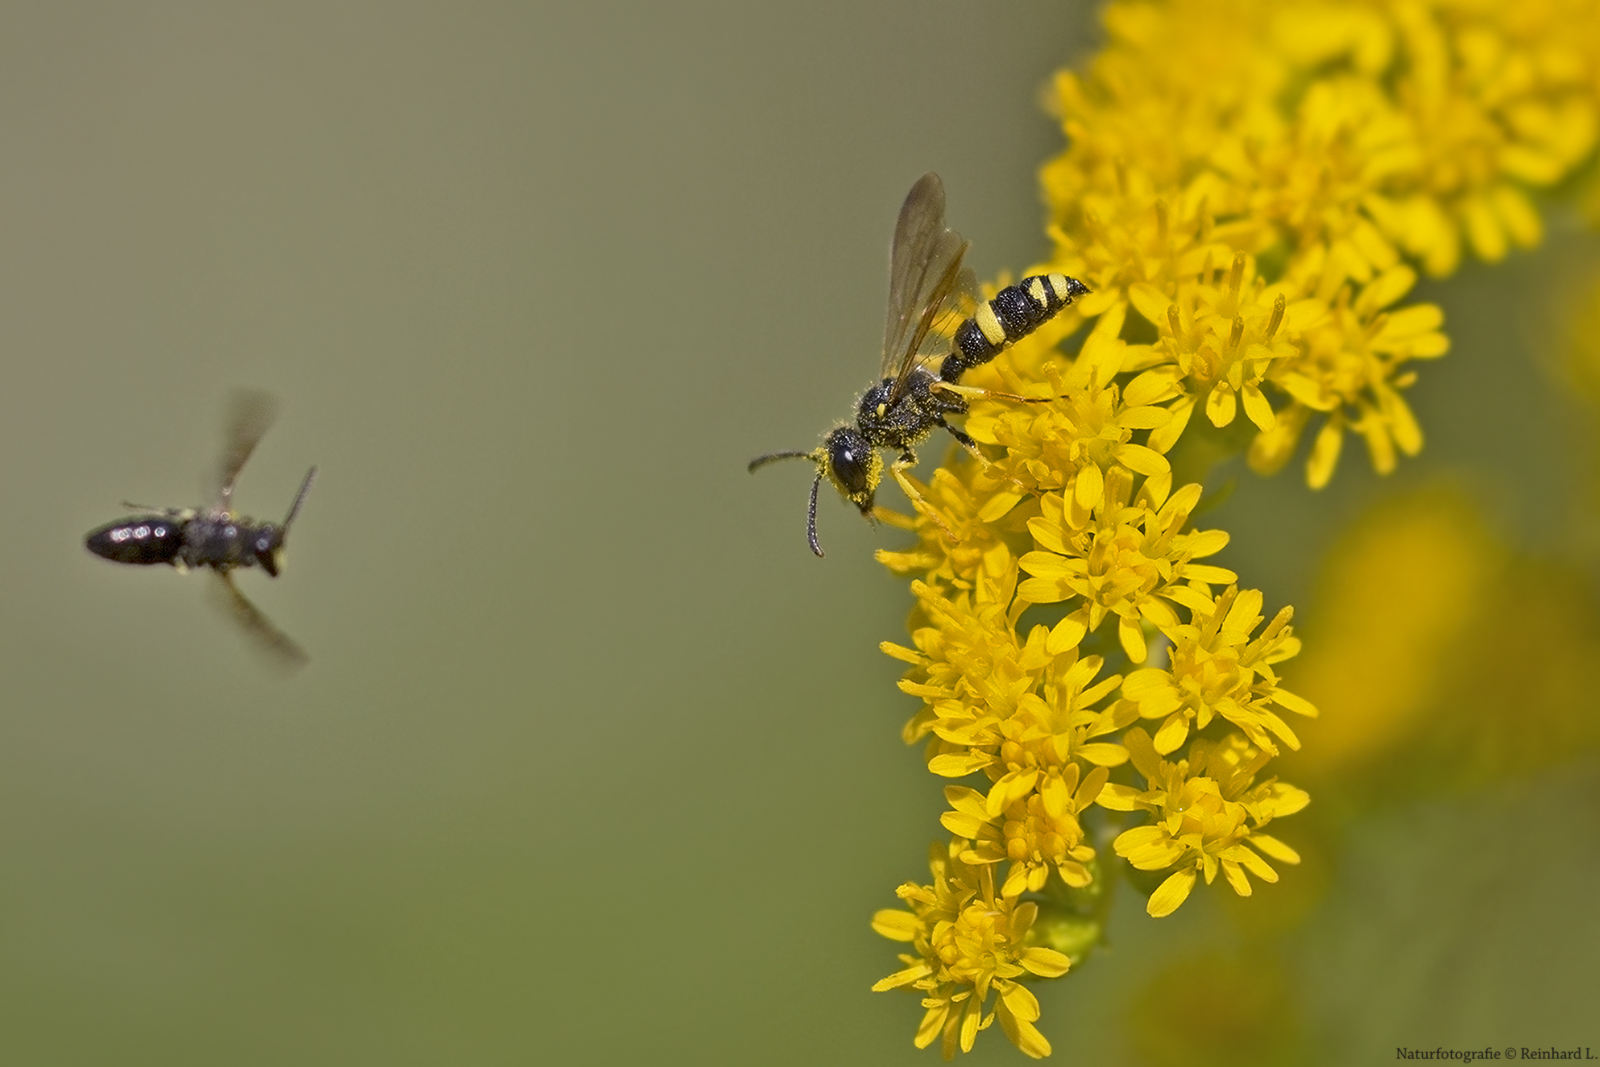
<point>847,460</point>
<point>266,542</point>
<point>852,465</point>
<point>266,545</point>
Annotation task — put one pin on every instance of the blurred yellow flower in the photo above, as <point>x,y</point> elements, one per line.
<point>1441,656</point>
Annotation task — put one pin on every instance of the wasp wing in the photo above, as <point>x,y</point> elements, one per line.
<point>924,270</point>
<point>276,645</point>
<point>957,307</point>
<point>250,414</point>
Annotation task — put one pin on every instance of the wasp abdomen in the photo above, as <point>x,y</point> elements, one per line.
<point>145,541</point>
<point>1014,313</point>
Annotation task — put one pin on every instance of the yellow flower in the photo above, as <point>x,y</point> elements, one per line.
<point>1036,833</point>
<point>1310,174</point>
<point>1073,443</point>
<point>1220,338</point>
<point>1206,816</point>
<point>1217,670</point>
<point>968,664</point>
<point>1495,100</point>
<point>1129,563</point>
<point>1429,628</point>
<point>968,942</point>
<point>1350,369</point>
<point>968,513</point>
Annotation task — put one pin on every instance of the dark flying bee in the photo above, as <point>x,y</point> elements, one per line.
<point>216,537</point>
<point>922,366</point>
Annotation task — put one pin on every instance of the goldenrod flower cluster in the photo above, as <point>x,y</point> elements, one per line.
<point>969,942</point>
<point>1250,191</point>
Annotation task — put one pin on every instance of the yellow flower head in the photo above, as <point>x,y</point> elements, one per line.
<point>1349,367</point>
<point>1218,670</point>
<point>1129,563</point>
<point>1219,340</point>
<point>968,942</point>
<point>1207,816</point>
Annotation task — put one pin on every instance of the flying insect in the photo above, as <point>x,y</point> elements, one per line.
<point>216,537</point>
<point>922,362</point>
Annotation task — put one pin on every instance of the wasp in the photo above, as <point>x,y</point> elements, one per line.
<point>216,537</point>
<point>922,366</point>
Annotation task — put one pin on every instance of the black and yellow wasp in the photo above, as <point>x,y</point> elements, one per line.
<point>216,537</point>
<point>922,365</point>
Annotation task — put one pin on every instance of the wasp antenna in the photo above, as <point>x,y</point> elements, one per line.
<point>299,498</point>
<point>762,461</point>
<point>811,516</point>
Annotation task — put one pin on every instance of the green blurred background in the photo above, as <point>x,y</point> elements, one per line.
<point>594,763</point>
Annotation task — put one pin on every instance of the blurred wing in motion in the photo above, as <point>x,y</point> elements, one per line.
<point>277,646</point>
<point>250,415</point>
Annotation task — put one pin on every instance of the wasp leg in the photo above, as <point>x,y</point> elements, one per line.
<point>966,442</point>
<point>993,394</point>
<point>170,513</point>
<point>898,468</point>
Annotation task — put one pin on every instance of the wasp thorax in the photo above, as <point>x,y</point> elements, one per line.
<point>853,464</point>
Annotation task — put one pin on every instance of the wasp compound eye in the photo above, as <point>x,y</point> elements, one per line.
<point>851,460</point>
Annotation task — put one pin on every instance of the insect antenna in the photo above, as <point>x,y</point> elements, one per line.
<point>762,461</point>
<point>815,456</point>
<point>811,516</point>
<point>299,498</point>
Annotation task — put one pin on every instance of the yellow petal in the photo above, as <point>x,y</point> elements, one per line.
<point>1142,460</point>
<point>1274,848</point>
<point>999,505</point>
<point>1067,633</point>
<point>1090,487</point>
<point>1172,734</point>
<point>902,978</point>
<point>1220,405</point>
<point>1171,893</point>
<point>1046,963</point>
<point>1325,453</point>
<point>896,925</point>
<point>1131,635</point>
<point>1162,438</point>
<point>1021,1031</point>
<point>1257,409</point>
